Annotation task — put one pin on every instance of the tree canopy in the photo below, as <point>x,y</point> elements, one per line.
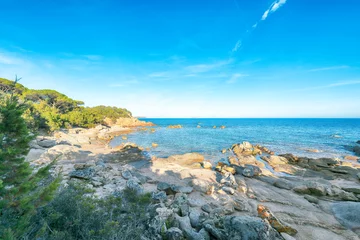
<point>52,110</point>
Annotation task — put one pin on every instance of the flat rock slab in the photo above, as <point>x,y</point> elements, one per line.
<point>348,214</point>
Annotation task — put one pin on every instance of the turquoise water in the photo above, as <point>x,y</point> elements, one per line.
<point>331,137</point>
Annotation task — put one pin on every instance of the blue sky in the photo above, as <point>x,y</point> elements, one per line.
<point>182,58</point>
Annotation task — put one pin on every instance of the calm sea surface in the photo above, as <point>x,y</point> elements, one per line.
<point>331,137</point>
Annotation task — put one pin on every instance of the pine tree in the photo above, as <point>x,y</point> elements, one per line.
<point>19,191</point>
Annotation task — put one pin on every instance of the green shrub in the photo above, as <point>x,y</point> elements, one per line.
<point>75,213</point>
<point>20,192</point>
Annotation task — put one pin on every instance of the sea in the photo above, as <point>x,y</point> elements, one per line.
<point>332,138</point>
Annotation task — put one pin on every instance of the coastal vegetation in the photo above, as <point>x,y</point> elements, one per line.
<point>51,110</point>
<point>21,191</point>
<point>32,204</point>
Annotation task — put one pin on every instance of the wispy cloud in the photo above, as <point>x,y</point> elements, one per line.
<point>273,8</point>
<point>237,46</point>
<point>235,77</point>
<point>8,59</point>
<point>201,68</point>
<point>328,68</point>
<point>331,85</point>
<point>158,74</point>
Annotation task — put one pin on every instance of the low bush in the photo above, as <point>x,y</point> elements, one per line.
<point>75,213</point>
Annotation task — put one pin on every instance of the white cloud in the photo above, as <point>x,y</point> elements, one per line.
<point>273,8</point>
<point>331,85</point>
<point>328,68</point>
<point>237,46</point>
<point>344,83</point>
<point>201,68</point>
<point>234,78</point>
<point>265,15</point>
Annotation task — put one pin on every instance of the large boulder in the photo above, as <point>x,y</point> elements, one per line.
<point>135,186</point>
<point>275,160</point>
<point>244,148</point>
<point>246,227</point>
<point>201,186</point>
<point>312,188</point>
<point>174,234</point>
<point>46,142</point>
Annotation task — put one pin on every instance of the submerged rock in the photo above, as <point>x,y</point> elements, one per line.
<point>175,126</point>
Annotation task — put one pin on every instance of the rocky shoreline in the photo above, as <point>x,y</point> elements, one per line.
<point>255,194</point>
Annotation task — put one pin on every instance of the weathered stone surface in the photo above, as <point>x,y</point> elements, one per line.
<point>351,158</point>
<point>274,160</point>
<point>265,213</point>
<point>312,188</point>
<point>163,186</point>
<point>348,214</point>
<point>184,222</point>
<point>311,199</point>
<point>186,159</point>
<point>229,180</point>
<point>244,148</point>
<point>46,142</point>
<point>126,174</point>
<point>194,218</point>
<point>251,171</point>
<point>174,234</point>
<point>85,174</point>
<point>284,184</point>
<point>34,154</point>
<point>246,227</point>
<point>206,165</point>
<point>201,186</point>
<point>207,208</point>
<point>135,186</point>
<point>242,205</point>
<point>229,190</point>
<point>216,233</point>
<point>159,196</point>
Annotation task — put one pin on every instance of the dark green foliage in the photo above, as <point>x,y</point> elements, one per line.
<point>21,192</point>
<point>76,214</point>
<point>14,141</point>
<point>52,110</point>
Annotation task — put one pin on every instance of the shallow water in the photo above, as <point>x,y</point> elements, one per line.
<point>331,137</point>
